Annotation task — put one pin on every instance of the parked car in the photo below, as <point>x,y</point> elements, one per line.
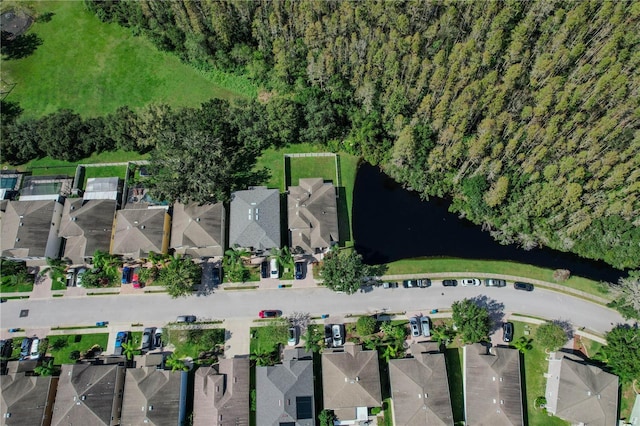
<point>299,270</point>
<point>269,313</point>
<point>25,347</point>
<point>337,331</point>
<point>264,269</point>
<point>424,283</point>
<point>293,336</point>
<point>135,278</point>
<point>410,284</point>
<point>157,338</point>
<point>186,318</point>
<point>493,282</point>
<point>216,275</point>
<point>34,352</point>
<point>126,275</point>
<point>79,276</point>
<point>121,337</point>
<point>507,331</point>
<point>415,327</point>
<point>274,271</point>
<point>389,285</point>
<point>328,335</point>
<point>147,338</point>
<point>71,277</point>
<point>523,286</point>
<point>425,322</point>
<point>449,283</point>
<point>470,282</point>
<point>6,348</point>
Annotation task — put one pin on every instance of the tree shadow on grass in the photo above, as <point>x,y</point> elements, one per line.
<point>20,46</point>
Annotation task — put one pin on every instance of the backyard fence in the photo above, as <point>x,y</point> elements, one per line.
<point>314,154</point>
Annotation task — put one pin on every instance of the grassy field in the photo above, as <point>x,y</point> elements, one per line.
<point>104,171</point>
<point>432,265</point>
<point>76,342</point>
<point>93,68</point>
<point>310,167</point>
<point>266,338</point>
<point>5,287</point>
<point>191,343</point>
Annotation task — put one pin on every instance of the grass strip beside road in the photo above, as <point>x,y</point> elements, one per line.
<point>435,265</point>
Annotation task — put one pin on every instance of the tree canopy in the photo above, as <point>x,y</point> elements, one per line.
<point>472,321</point>
<point>622,353</point>
<point>551,336</point>
<point>179,276</point>
<point>343,271</point>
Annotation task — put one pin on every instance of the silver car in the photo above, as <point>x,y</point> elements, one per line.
<point>415,327</point>
<point>425,322</point>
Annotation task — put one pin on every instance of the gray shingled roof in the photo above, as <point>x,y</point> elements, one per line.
<point>581,393</point>
<point>492,386</point>
<point>26,400</point>
<point>313,215</point>
<point>88,394</point>
<point>255,219</point>
<point>221,394</point>
<point>283,389</point>
<point>198,230</point>
<point>151,397</point>
<point>29,229</point>
<point>420,389</point>
<point>140,231</point>
<point>87,227</point>
<point>350,378</point>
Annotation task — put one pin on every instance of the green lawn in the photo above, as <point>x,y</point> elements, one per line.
<point>76,342</point>
<point>5,287</point>
<point>310,167</point>
<point>93,68</point>
<point>57,285</point>
<point>453,357</point>
<point>425,266</point>
<point>267,338</point>
<point>191,343</point>
<point>103,172</point>
<point>50,166</point>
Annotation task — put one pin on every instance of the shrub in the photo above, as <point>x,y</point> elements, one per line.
<point>74,355</point>
<point>366,326</point>
<point>561,275</point>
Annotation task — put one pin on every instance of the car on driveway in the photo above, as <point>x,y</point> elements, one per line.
<point>147,339</point>
<point>414,324</point>
<point>337,331</point>
<point>34,352</point>
<point>523,286</point>
<point>269,313</point>
<point>328,335</point>
<point>507,331</point>
<point>25,347</point>
<point>186,318</point>
<point>121,337</point>
<point>292,339</point>
<point>425,323</point>
<point>126,275</point>
<point>449,283</point>
<point>466,282</point>
<point>493,282</point>
<point>71,277</point>
<point>410,284</point>
<point>216,275</point>
<point>6,348</point>
<point>264,269</point>
<point>157,338</point>
<point>424,283</point>
<point>135,278</point>
<point>274,269</point>
<point>79,276</point>
<point>299,270</point>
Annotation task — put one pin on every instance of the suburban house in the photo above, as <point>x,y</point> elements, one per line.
<point>420,388</point>
<point>255,219</point>
<point>86,227</point>
<point>27,400</point>
<point>89,394</point>
<point>350,382</point>
<point>492,386</point>
<point>221,393</point>
<point>198,230</point>
<point>103,189</point>
<point>313,215</point>
<point>30,229</point>
<point>140,231</point>
<point>581,393</point>
<point>154,397</point>
<point>284,392</point>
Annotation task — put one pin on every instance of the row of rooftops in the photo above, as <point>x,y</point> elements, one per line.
<point>76,227</point>
<point>112,395</point>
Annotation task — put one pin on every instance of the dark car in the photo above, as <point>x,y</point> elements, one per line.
<point>126,275</point>
<point>493,282</point>
<point>299,270</point>
<point>6,348</point>
<point>449,283</point>
<point>507,331</point>
<point>269,313</point>
<point>410,284</point>
<point>389,285</point>
<point>264,269</point>
<point>328,336</point>
<point>121,337</point>
<point>186,318</point>
<point>25,348</point>
<point>424,283</point>
<point>157,338</point>
<point>216,275</point>
<point>523,286</point>
<point>147,338</point>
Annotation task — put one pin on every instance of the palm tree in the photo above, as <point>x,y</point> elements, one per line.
<point>390,351</point>
<point>262,357</point>
<point>45,369</point>
<point>176,363</point>
<point>129,350</point>
<point>233,259</point>
<point>284,256</point>
<point>523,345</point>
<point>443,334</point>
<point>56,269</point>
<point>107,262</point>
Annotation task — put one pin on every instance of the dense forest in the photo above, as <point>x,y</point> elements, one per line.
<point>524,113</point>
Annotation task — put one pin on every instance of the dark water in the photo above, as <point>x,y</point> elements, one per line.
<point>391,223</point>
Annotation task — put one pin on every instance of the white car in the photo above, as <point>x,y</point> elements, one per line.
<point>470,282</point>
<point>275,271</point>
<point>35,349</point>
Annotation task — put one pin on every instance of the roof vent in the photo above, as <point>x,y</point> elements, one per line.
<point>7,415</point>
<point>135,222</point>
<point>21,224</point>
<point>17,239</point>
<point>74,219</point>
<point>151,408</point>
<point>142,226</point>
<point>197,219</point>
<point>83,397</point>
